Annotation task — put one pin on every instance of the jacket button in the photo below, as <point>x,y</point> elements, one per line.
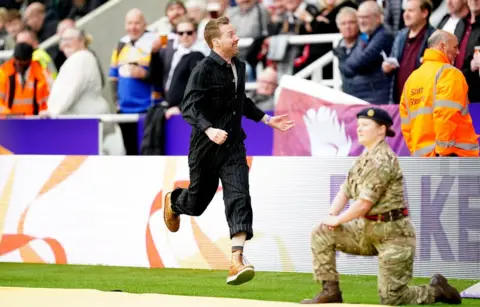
<point>234,112</point>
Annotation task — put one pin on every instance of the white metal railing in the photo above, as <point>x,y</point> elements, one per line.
<point>301,39</point>
<point>313,70</point>
<point>53,40</point>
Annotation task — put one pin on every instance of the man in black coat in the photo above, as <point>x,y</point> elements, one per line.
<point>169,69</point>
<point>214,103</point>
<point>172,73</point>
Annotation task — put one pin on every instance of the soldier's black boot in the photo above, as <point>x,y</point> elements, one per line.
<point>330,294</point>
<point>445,292</point>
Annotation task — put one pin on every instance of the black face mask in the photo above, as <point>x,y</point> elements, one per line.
<point>22,55</point>
<point>22,66</point>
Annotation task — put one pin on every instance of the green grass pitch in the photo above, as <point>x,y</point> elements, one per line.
<point>270,286</point>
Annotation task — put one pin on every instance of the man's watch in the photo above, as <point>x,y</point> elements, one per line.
<point>267,119</point>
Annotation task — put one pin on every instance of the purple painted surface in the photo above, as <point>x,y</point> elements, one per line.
<point>50,136</point>
<point>80,136</point>
<point>177,137</point>
<point>475,112</point>
<point>259,140</point>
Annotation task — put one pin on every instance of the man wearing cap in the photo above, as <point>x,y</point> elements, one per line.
<point>24,86</point>
<point>375,224</point>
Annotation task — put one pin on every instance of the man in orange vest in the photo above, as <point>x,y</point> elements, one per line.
<point>434,104</point>
<point>23,84</point>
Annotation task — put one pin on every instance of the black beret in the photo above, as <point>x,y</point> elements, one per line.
<point>380,116</point>
<point>23,52</point>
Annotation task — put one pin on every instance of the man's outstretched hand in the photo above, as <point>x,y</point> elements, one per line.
<point>281,122</point>
<point>218,136</point>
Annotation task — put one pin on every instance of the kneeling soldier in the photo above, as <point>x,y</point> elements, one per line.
<point>376,224</point>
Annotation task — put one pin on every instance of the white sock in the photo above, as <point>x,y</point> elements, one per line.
<point>238,241</point>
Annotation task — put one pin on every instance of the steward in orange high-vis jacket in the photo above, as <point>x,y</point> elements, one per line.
<point>23,84</point>
<point>434,104</point>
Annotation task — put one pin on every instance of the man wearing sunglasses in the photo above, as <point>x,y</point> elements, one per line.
<point>183,61</point>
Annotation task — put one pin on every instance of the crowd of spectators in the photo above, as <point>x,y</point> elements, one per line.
<point>375,62</point>
<point>42,19</point>
<point>64,79</point>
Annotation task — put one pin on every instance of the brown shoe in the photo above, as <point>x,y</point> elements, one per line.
<point>446,293</point>
<point>330,294</point>
<point>240,271</point>
<point>172,220</point>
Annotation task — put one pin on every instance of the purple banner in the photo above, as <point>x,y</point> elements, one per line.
<point>324,128</point>
<point>259,140</point>
<point>177,136</point>
<point>50,136</point>
<point>80,136</point>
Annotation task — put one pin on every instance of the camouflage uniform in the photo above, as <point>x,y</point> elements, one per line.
<point>377,177</point>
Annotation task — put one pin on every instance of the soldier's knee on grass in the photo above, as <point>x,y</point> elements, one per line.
<point>390,296</point>
<point>390,300</point>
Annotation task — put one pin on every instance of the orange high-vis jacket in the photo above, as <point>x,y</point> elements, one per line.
<point>434,110</point>
<point>23,99</point>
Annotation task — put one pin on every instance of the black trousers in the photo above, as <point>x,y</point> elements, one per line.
<point>228,164</point>
<point>130,138</point>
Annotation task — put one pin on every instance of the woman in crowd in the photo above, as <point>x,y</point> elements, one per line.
<point>78,88</point>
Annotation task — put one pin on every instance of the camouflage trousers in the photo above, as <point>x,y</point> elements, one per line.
<point>393,242</point>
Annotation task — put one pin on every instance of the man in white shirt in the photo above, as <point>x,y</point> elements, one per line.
<point>173,74</point>
<point>457,10</point>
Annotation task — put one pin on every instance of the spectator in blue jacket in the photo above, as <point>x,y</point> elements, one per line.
<point>347,24</point>
<point>362,70</point>
<point>409,45</point>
